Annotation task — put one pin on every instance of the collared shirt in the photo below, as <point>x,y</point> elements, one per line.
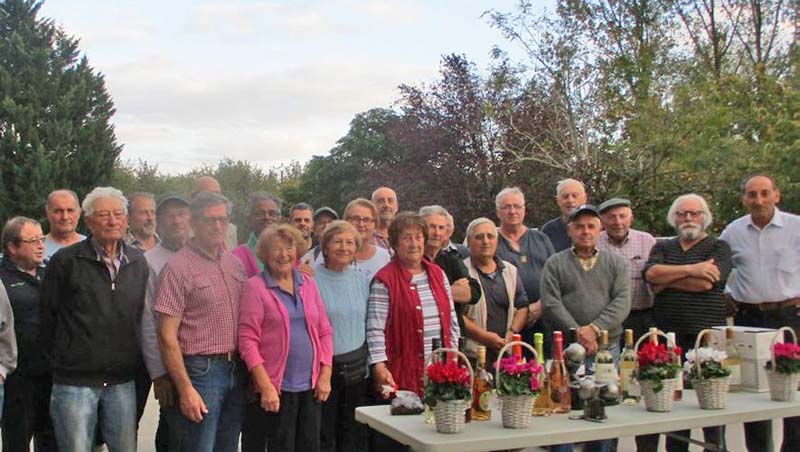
<point>382,242</point>
<point>252,243</point>
<point>635,249</point>
<point>496,295</point>
<point>112,263</point>
<point>204,292</point>
<point>534,250</point>
<point>587,263</point>
<point>131,240</point>
<point>766,261</point>
<point>157,258</point>
<point>556,231</point>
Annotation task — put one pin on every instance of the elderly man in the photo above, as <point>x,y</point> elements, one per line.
<point>301,215</point>
<point>465,289</point>
<point>385,199</point>
<point>198,304</point>
<point>618,237</point>
<point>172,218</point>
<point>142,227</point>
<point>688,275</point>
<point>570,194</point>
<point>8,343</point>
<point>208,183</point>
<point>527,249</point>
<point>63,212</point>
<point>92,299</point>
<point>27,402</point>
<point>766,282</point>
<point>322,218</point>
<point>265,210</point>
<point>463,251</point>
<point>502,309</point>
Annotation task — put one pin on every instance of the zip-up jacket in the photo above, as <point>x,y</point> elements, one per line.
<point>89,322</point>
<point>23,292</point>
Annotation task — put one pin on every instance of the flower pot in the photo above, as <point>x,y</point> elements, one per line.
<point>450,415</point>
<point>712,393</point>
<point>662,400</point>
<point>516,411</point>
<point>782,387</point>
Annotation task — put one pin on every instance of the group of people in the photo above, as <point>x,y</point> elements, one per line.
<point>275,341</point>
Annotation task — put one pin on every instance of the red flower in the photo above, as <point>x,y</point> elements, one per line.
<point>448,372</point>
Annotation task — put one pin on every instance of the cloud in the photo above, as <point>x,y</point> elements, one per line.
<point>396,12</point>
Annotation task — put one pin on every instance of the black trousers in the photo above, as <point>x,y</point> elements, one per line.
<point>296,426</point>
<point>758,435</point>
<point>254,433</point>
<point>26,414</point>
<point>340,432</point>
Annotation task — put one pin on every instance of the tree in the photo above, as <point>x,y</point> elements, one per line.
<point>55,113</point>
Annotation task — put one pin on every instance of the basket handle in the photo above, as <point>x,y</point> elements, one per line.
<point>696,353</point>
<point>458,354</point>
<point>502,352</point>
<point>778,334</point>
<point>648,334</point>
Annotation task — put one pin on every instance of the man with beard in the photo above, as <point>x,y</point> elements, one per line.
<point>301,216</point>
<point>688,275</point>
<point>142,223</point>
<point>385,199</point>
<point>63,212</point>
<point>570,194</point>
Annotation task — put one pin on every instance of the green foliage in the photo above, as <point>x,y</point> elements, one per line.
<point>444,392</point>
<point>709,369</point>
<point>657,373</point>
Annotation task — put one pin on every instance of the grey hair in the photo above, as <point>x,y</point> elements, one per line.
<point>12,229</point>
<point>451,222</point>
<point>300,206</point>
<point>206,199</point>
<point>426,211</point>
<point>103,192</point>
<point>508,191</point>
<point>63,191</point>
<point>477,222</point>
<point>261,196</point>
<point>707,219</point>
<point>749,177</point>
<point>562,184</point>
<point>141,194</point>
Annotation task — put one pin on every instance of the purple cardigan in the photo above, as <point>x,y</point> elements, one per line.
<point>264,329</point>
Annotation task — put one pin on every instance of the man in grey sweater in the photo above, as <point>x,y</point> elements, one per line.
<point>8,343</point>
<point>585,288</point>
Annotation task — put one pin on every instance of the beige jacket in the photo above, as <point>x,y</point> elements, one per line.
<point>477,312</point>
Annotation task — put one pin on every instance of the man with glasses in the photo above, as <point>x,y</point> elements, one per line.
<point>27,400</point>
<point>92,299</point>
<point>688,275</point>
<point>570,194</point>
<point>197,302</point>
<point>265,210</point>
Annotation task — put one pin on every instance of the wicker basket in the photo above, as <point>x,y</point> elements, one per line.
<point>450,415</point>
<point>782,387</point>
<point>516,410</point>
<point>712,393</point>
<point>662,400</point>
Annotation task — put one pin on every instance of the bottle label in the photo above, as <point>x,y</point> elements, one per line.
<point>634,390</point>
<point>605,373</point>
<point>736,374</point>
<point>484,400</point>
<point>625,372</point>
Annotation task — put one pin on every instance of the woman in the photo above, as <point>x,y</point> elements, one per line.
<point>286,341</point>
<point>361,213</point>
<point>409,305</point>
<point>345,292</point>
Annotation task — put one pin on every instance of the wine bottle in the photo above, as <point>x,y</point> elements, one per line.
<point>516,349</point>
<point>671,347</point>
<point>604,369</point>
<point>481,389</point>
<point>629,388</point>
<point>733,362</point>
<point>543,405</point>
<point>558,376</point>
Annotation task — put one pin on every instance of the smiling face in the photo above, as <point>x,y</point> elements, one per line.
<point>617,222</point>
<point>340,250</point>
<point>483,241</point>
<point>584,231</point>
<point>28,252</point>
<point>280,255</point>
<point>263,213</point>
<point>571,196</point>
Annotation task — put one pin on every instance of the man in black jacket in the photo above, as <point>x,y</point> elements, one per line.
<point>27,401</point>
<point>92,300</point>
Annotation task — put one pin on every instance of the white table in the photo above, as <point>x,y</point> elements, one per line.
<point>623,421</point>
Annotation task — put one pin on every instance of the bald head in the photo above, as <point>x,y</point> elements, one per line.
<point>385,199</point>
<point>205,183</point>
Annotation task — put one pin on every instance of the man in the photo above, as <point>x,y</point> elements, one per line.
<point>570,194</point>
<point>27,402</point>
<point>766,282</point>
<point>8,343</point>
<point>142,228</point>
<point>502,309</point>
<point>526,249</point>
<point>301,216</point>
<point>385,199</point>
<point>322,218</point>
<point>265,210</point>
<point>463,251</point>
<point>465,289</point>
<point>197,302</point>
<point>63,212</point>
<point>618,237</point>
<point>688,275</point>
<point>172,218</point>
<point>208,183</point>
<point>92,300</point>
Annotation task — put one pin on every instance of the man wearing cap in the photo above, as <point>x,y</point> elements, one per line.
<point>322,218</point>
<point>172,220</point>
<point>618,237</point>
<point>570,194</point>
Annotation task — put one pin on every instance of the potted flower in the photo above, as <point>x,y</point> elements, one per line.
<point>783,371</point>
<point>709,379</point>
<point>657,374</point>
<point>448,391</point>
<point>517,385</point>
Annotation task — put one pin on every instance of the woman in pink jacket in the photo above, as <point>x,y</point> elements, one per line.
<point>286,341</point>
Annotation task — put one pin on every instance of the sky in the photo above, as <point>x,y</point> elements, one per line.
<point>265,81</point>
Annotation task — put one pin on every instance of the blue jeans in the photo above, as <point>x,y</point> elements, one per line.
<point>74,410</point>
<point>220,384</point>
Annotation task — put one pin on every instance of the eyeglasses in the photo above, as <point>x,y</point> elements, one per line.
<point>361,220</point>
<point>33,241</point>
<point>687,213</point>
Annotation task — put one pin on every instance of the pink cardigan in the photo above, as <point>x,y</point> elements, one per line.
<point>264,329</point>
<point>249,261</point>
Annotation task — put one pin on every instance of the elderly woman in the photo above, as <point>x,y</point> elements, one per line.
<point>409,305</point>
<point>345,292</point>
<point>286,341</point>
<point>362,214</point>
<point>502,310</point>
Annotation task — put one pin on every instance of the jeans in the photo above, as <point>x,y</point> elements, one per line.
<point>27,409</point>
<point>296,425</point>
<point>74,410</point>
<point>220,384</point>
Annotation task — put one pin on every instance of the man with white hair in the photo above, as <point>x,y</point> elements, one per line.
<point>92,299</point>
<point>688,275</point>
<point>570,194</point>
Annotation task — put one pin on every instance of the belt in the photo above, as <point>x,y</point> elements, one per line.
<point>770,305</point>
<point>230,356</point>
